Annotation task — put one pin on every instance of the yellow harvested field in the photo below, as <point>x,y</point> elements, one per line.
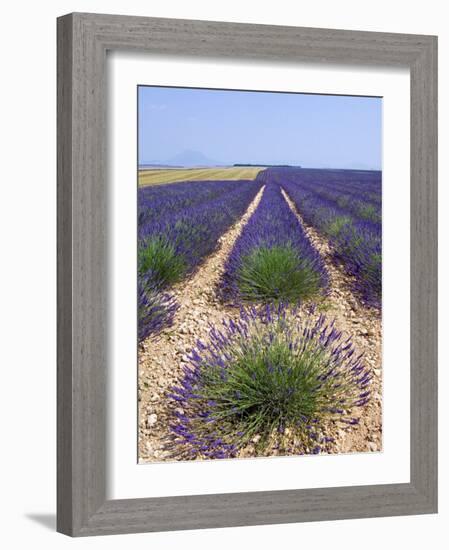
<point>157,176</point>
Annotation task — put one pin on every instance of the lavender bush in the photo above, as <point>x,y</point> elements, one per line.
<point>156,308</point>
<point>263,377</point>
<point>359,248</point>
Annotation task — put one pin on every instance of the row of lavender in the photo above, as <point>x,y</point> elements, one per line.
<point>348,213</point>
<point>178,226</point>
<point>357,192</point>
<point>154,201</point>
<point>273,259</point>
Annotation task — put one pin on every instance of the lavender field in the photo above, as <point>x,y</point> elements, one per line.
<point>259,314</point>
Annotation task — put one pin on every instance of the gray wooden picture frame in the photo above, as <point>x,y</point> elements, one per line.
<point>83,40</point>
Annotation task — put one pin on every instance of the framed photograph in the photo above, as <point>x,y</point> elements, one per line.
<point>247,274</point>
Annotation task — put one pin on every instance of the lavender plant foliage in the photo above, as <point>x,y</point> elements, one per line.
<point>273,226</point>
<point>156,308</point>
<point>267,378</point>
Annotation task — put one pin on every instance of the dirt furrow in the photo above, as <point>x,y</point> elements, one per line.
<point>364,325</point>
<point>161,359</point>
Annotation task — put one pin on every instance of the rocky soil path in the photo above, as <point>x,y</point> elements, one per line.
<point>364,325</point>
<point>161,360</point>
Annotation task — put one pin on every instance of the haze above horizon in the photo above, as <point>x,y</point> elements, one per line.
<point>202,127</point>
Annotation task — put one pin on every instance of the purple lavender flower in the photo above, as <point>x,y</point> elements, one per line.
<point>156,309</point>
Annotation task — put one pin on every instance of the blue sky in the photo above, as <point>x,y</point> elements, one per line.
<point>316,131</point>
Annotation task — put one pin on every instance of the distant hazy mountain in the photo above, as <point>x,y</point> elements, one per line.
<point>185,158</point>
